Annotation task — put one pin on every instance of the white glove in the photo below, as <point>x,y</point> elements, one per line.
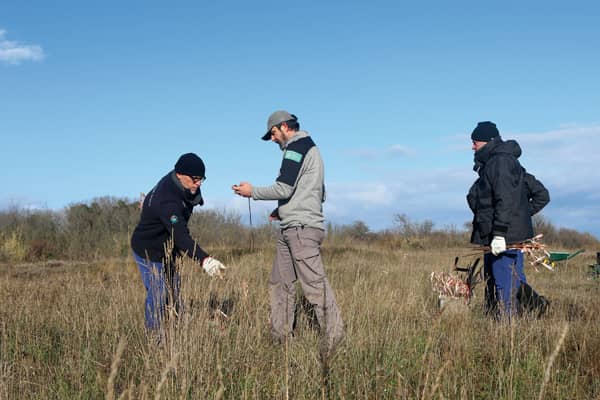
<point>213,267</point>
<point>498,245</point>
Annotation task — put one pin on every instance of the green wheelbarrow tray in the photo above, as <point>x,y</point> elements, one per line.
<point>562,255</point>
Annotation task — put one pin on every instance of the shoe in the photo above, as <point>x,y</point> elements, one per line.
<point>543,306</point>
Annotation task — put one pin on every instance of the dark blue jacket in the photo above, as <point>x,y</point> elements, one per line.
<point>165,214</point>
<point>505,196</point>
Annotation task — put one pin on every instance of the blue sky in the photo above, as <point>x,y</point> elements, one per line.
<point>101,99</point>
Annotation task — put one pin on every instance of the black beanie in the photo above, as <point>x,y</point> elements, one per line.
<point>191,165</point>
<point>485,131</point>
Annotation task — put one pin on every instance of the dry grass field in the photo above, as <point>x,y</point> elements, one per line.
<point>75,331</point>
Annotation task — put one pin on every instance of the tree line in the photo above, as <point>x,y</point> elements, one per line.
<point>102,227</point>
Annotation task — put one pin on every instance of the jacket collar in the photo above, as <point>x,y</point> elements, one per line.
<point>299,135</point>
<point>483,154</point>
<point>193,199</point>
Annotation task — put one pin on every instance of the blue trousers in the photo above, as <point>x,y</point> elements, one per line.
<point>162,289</point>
<point>504,274</point>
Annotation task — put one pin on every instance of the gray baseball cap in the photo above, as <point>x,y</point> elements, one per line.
<point>275,119</point>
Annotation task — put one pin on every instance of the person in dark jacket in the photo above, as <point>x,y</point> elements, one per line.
<point>162,234</point>
<point>503,200</point>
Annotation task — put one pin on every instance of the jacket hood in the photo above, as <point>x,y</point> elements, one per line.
<point>509,147</point>
<point>495,147</point>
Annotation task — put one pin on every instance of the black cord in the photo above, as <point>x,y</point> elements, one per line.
<point>251,230</point>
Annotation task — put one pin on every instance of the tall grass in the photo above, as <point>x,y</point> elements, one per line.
<point>73,331</point>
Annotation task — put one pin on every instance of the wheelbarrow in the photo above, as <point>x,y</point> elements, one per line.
<point>555,256</point>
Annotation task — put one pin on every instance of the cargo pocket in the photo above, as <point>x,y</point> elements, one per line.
<point>309,265</point>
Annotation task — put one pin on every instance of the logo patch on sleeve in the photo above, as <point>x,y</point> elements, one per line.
<point>292,155</point>
<point>174,219</point>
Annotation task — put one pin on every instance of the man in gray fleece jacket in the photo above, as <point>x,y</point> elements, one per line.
<point>300,192</point>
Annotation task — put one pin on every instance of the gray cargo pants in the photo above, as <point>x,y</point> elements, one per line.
<point>299,258</point>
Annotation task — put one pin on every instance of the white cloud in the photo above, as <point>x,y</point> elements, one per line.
<point>400,150</point>
<point>14,53</point>
<point>394,150</point>
<point>565,134</point>
<point>566,160</point>
<point>371,193</point>
<point>21,203</point>
<point>434,194</point>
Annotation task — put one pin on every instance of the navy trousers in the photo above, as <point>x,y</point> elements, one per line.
<point>504,275</point>
<point>162,289</point>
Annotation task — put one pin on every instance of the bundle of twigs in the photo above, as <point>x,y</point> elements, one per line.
<point>450,285</point>
<point>534,248</point>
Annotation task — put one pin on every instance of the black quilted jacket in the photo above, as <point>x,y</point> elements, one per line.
<point>505,196</point>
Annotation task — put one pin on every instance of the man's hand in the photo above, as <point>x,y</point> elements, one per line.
<point>243,189</point>
<point>274,216</point>
<point>213,267</point>
<point>498,245</point>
